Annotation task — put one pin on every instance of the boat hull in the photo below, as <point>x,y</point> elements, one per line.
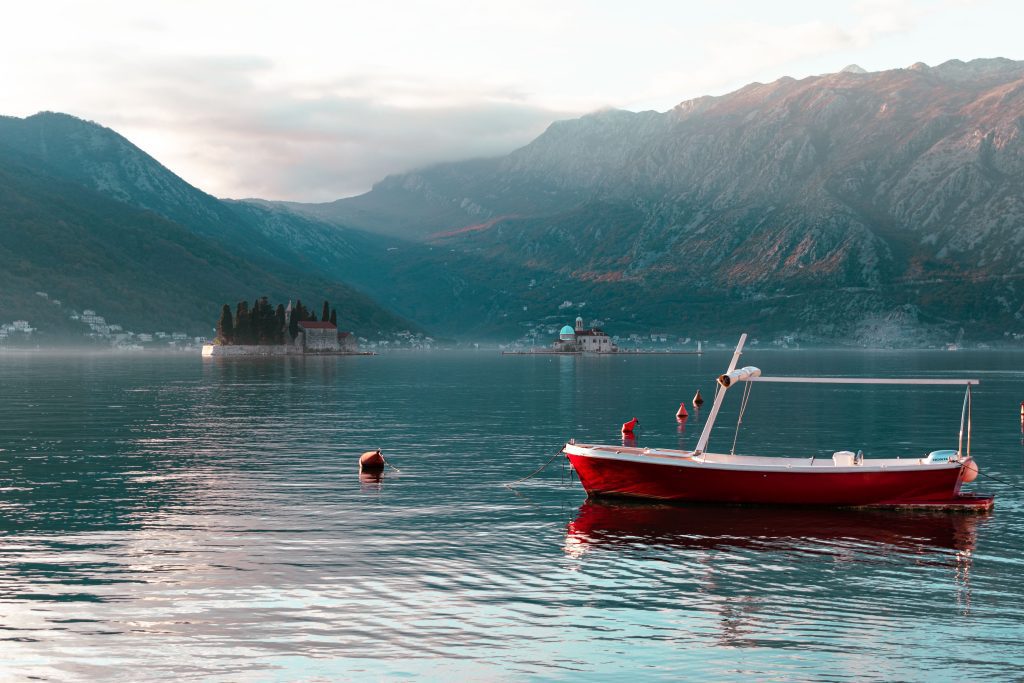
<point>705,483</point>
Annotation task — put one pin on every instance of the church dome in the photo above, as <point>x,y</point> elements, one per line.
<point>567,333</point>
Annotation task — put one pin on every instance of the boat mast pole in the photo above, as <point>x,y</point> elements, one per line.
<point>719,395</point>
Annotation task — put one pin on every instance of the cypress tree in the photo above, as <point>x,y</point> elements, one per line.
<point>243,331</point>
<point>266,322</point>
<point>279,324</point>
<point>334,317</point>
<point>325,314</point>
<point>225,326</point>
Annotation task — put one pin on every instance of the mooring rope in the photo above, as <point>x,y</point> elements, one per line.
<point>1001,481</point>
<point>388,463</point>
<point>536,471</point>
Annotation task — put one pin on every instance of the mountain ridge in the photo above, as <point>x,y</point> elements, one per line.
<point>880,208</point>
<point>865,182</point>
<point>223,252</point>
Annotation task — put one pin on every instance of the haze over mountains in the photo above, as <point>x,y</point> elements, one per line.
<point>862,208</point>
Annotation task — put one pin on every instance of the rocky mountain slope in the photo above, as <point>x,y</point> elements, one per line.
<point>90,219</point>
<point>866,207</point>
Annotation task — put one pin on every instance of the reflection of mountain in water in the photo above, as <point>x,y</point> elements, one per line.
<point>768,529</point>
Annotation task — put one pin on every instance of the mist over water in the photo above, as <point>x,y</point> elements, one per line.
<point>174,518</point>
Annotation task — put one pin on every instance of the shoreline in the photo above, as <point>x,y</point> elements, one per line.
<point>267,350</point>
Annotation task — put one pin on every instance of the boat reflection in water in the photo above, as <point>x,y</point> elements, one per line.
<point>605,523</point>
<point>942,541</point>
<point>821,530</point>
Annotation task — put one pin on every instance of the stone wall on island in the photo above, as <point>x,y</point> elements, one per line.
<point>236,350</point>
<point>218,350</point>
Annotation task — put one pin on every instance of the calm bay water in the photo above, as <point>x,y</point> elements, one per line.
<point>174,518</point>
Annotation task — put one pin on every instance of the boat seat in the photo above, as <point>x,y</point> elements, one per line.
<point>844,458</point>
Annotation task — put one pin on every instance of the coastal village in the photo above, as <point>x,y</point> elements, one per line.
<point>98,331</point>
<point>320,336</point>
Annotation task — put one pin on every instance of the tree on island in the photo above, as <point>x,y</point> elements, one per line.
<point>265,324</point>
<point>243,326</point>
<point>279,324</point>
<point>225,326</point>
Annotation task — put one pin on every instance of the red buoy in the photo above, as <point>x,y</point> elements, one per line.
<point>681,414</point>
<point>371,461</point>
<point>628,427</point>
<point>698,400</point>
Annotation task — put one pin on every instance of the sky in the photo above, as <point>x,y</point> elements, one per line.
<point>313,101</point>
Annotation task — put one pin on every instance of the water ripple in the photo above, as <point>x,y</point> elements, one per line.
<point>178,519</point>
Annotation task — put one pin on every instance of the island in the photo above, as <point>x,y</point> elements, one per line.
<point>265,330</point>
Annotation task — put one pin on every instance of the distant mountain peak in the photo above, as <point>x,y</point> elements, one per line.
<point>982,70</point>
<point>852,69</point>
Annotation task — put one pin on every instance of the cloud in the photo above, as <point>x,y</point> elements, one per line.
<point>730,54</point>
<point>313,100</point>
<point>239,132</point>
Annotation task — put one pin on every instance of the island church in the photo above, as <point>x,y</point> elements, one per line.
<point>319,335</point>
<point>578,339</point>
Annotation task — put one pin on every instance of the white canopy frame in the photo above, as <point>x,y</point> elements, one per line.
<point>752,374</point>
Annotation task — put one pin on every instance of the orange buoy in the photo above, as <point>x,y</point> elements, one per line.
<point>681,414</point>
<point>698,400</point>
<point>970,469</point>
<point>628,427</point>
<point>371,461</point>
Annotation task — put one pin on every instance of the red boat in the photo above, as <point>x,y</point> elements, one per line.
<point>845,479</point>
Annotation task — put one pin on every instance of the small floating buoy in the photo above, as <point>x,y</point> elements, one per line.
<point>681,414</point>
<point>970,471</point>
<point>628,427</point>
<point>698,400</point>
<point>371,461</point>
